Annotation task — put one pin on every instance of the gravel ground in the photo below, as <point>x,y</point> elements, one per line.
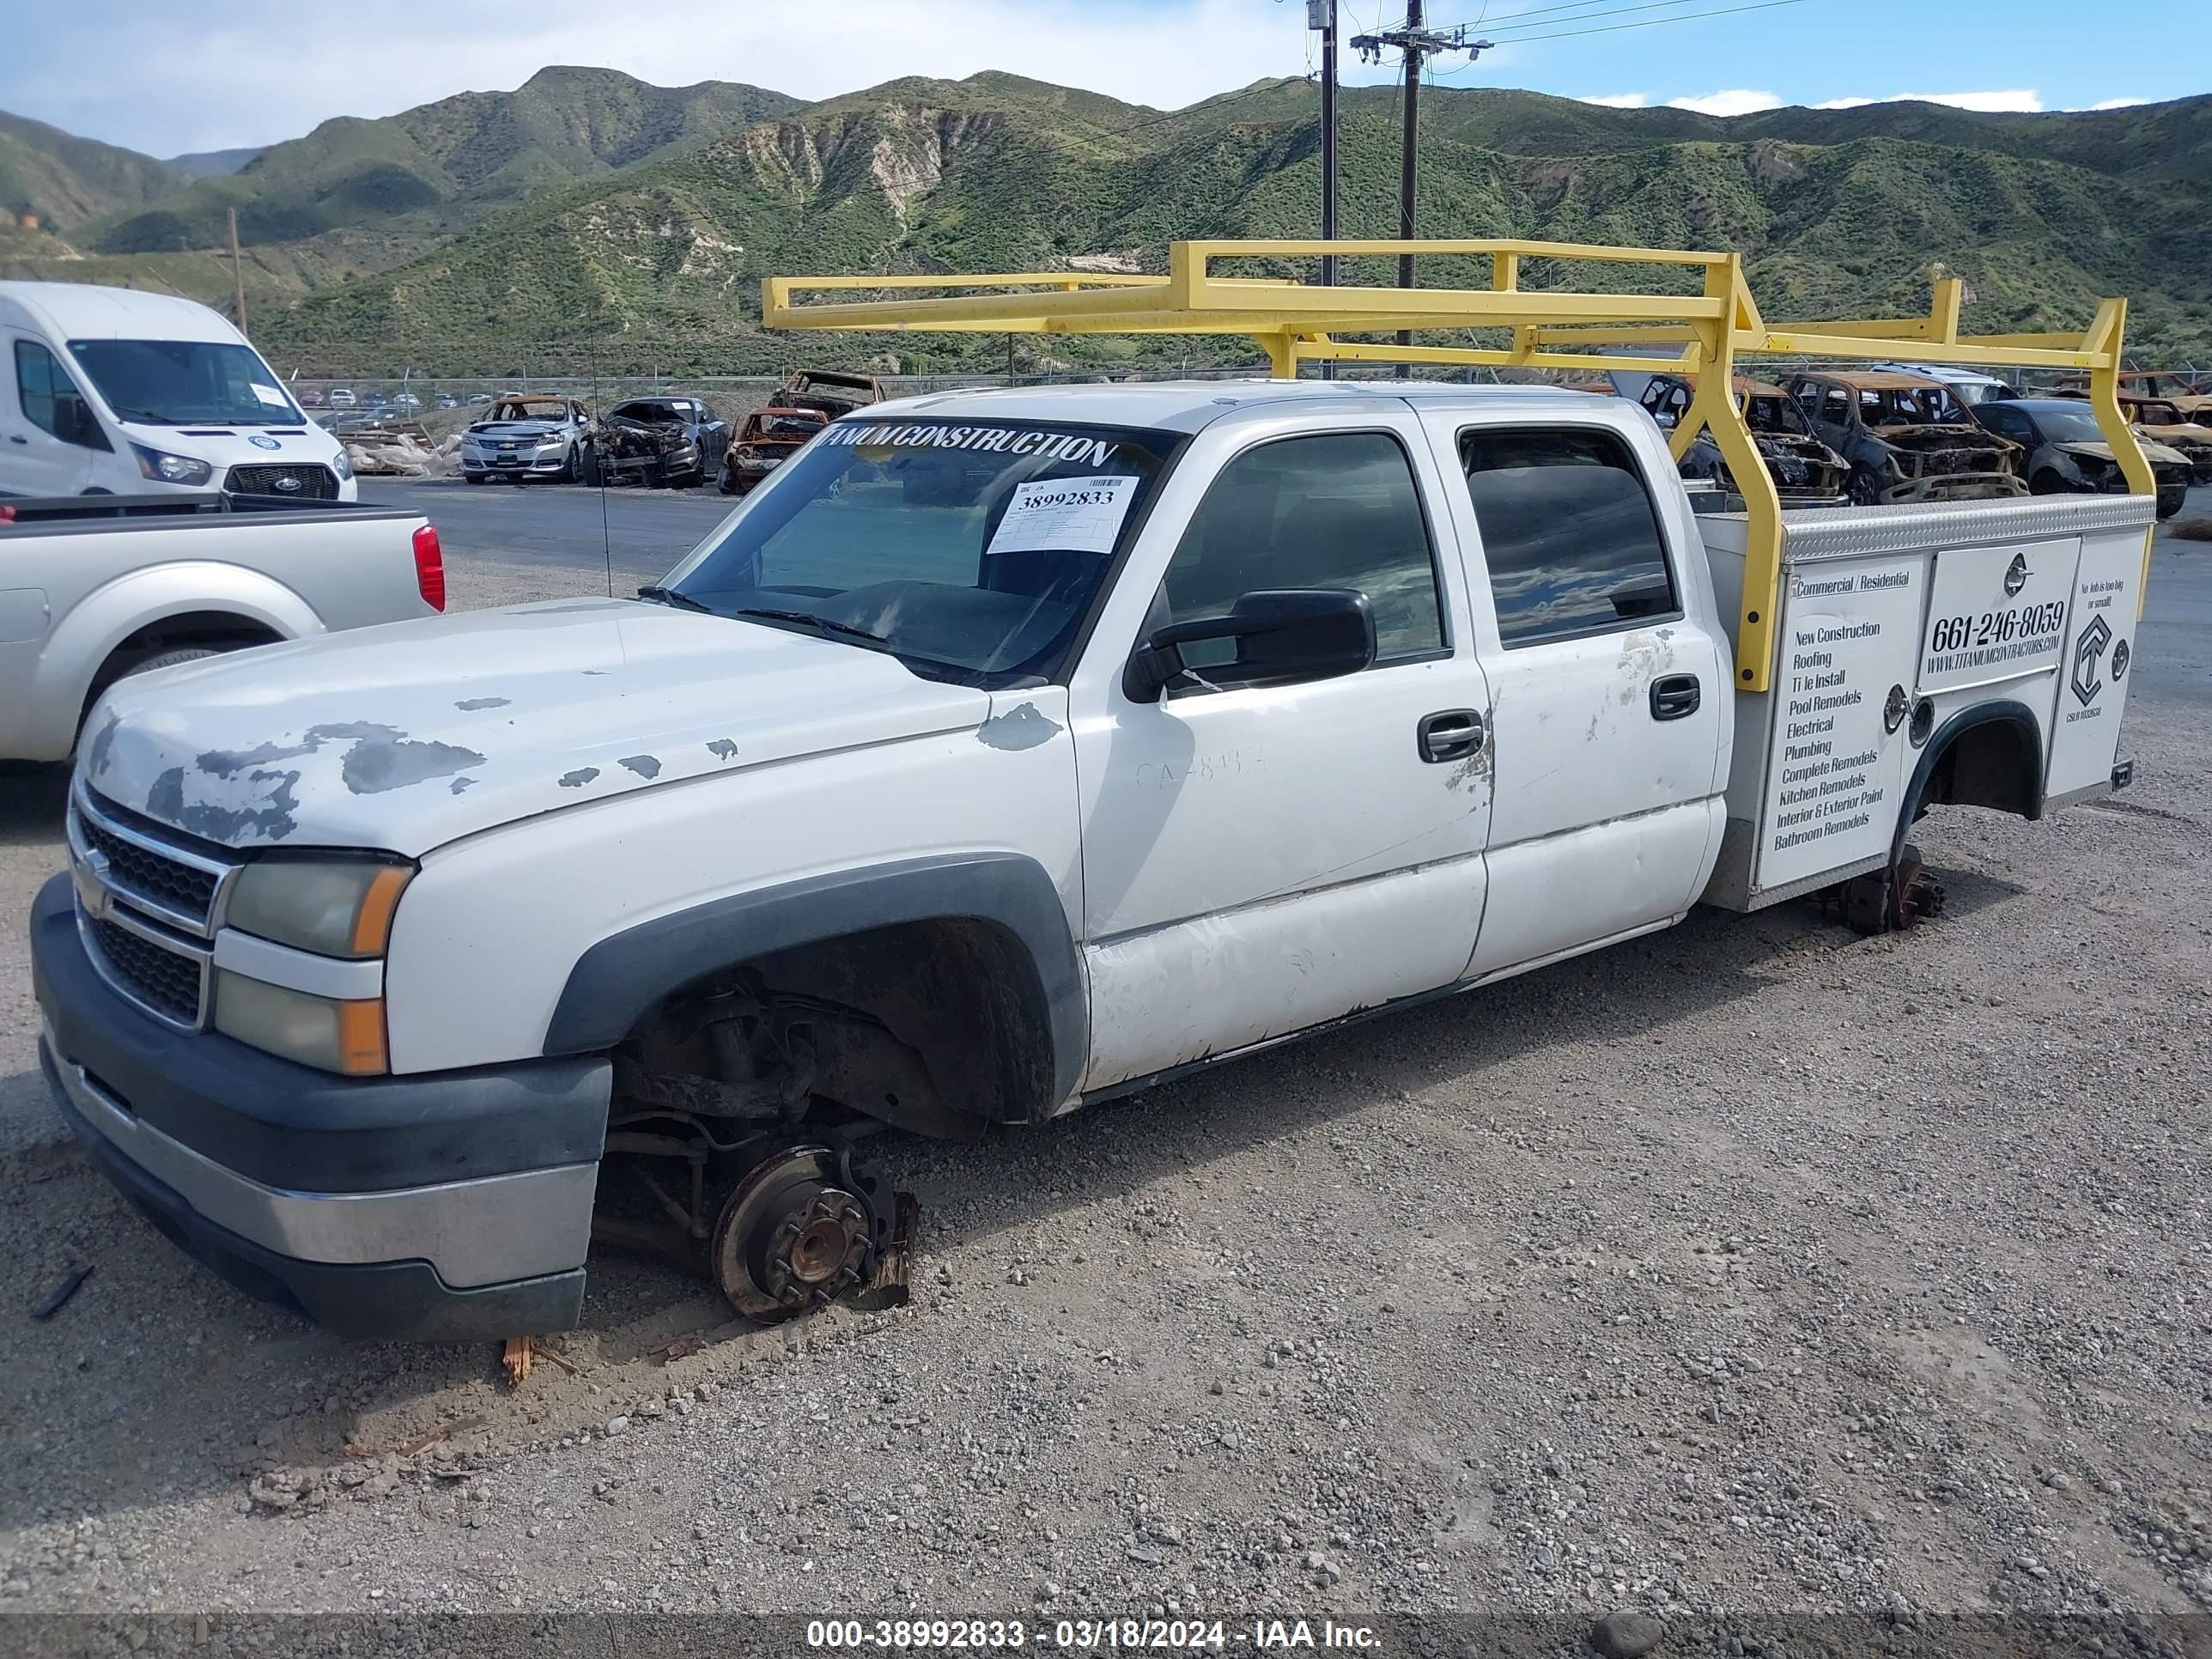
<point>1754,1266</point>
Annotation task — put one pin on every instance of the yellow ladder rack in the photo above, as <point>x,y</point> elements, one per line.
<point>1295,323</point>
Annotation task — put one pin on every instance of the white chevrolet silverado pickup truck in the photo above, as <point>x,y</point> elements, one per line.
<point>1007,751</point>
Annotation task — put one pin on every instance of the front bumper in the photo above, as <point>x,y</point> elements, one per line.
<point>446,1207</point>
<point>515,461</point>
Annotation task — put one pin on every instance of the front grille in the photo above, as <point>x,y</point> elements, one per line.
<point>165,980</point>
<point>307,483</point>
<point>138,870</point>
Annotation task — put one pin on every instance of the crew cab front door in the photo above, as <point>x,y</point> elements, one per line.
<point>1257,861</point>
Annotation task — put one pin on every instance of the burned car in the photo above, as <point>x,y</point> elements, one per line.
<point>1906,438</point>
<point>656,454</point>
<point>706,431</point>
<point>2067,452</point>
<point>829,391</point>
<point>527,437</point>
<point>2163,421</point>
<point>2161,384</point>
<point>1804,470</point>
<point>769,438</point>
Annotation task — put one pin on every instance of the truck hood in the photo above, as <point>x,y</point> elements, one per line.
<point>519,429</point>
<point>413,734</point>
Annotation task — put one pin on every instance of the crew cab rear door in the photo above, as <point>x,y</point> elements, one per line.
<point>1611,703</point>
<point>1261,859</point>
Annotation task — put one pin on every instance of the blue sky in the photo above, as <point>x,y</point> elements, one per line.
<point>178,78</point>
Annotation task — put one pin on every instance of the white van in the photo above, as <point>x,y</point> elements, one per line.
<point>1966,385</point>
<point>114,391</point>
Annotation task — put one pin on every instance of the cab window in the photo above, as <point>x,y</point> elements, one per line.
<point>1337,510</point>
<point>1569,536</point>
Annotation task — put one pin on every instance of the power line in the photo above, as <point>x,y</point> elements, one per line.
<point>1594,16</point>
<point>1505,19</point>
<point>1649,22</point>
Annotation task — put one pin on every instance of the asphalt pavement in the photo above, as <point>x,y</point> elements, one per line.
<point>637,533</point>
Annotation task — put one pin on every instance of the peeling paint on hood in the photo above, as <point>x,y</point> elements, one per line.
<point>406,737</point>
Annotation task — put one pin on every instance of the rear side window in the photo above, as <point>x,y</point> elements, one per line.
<point>1569,534</point>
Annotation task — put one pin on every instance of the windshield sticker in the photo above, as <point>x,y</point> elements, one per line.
<point>1011,440</point>
<point>269,395</point>
<point>1065,515</point>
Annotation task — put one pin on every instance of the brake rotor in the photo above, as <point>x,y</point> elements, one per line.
<point>793,1237</point>
<point>1915,894</point>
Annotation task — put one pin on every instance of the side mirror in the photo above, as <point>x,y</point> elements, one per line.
<point>1284,637</point>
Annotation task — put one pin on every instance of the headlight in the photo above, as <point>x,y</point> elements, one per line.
<point>171,469</point>
<point>335,1036</point>
<point>334,907</point>
<point>340,465</point>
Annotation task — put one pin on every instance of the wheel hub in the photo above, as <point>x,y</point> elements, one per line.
<point>792,1237</point>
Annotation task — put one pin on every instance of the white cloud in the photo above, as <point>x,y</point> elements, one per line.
<point>2023,100</point>
<point>1737,101</point>
<point>2118,103</point>
<point>1621,100</point>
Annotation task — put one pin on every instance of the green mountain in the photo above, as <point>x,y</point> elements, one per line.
<point>214,163</point>
<point>1839,213</point>
<point>65,181</point>
<point>437,168</point>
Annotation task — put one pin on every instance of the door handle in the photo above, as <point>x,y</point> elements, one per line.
<point>1450,734</point>
<point>13,438</point>
<point>1674,697</point>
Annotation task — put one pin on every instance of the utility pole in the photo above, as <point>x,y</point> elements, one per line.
<point>237,271</point>
<point>1321,15</point>
<point>1416,43</point>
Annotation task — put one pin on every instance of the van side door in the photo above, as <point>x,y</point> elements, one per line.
<point>1612,711</point>
<point>1259,859</point>
<point>48,433</point>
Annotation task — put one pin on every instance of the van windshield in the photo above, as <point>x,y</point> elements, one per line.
<point>971,552</point>
<point>185,383</point>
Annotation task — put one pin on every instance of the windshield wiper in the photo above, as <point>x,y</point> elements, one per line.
<point>669,596</point>
<point>849,629</point>
<point>148,418</point>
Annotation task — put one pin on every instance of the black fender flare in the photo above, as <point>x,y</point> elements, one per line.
<point>616,982</point>
<point>2004,712</point>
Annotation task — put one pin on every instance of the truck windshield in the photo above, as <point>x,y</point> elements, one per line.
<point>970,550</point>
<point>185,383</point>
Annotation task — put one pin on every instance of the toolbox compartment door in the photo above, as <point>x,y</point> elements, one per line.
<point>1851,631</point>
<point>2093,680</point>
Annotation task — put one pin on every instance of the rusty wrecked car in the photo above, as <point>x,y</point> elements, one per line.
<point>829,392</point>
<point>2189,398</point>
<point>769,438</point>
<point>1906,438</point>
<point>1804,468</point>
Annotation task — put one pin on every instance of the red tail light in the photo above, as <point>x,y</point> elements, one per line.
<point>430,568</point>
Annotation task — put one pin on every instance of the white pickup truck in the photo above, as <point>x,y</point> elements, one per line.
<point>1005,752</point>
<point>94,587</point>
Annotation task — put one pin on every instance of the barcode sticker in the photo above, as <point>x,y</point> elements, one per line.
<point>1068,515</point>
